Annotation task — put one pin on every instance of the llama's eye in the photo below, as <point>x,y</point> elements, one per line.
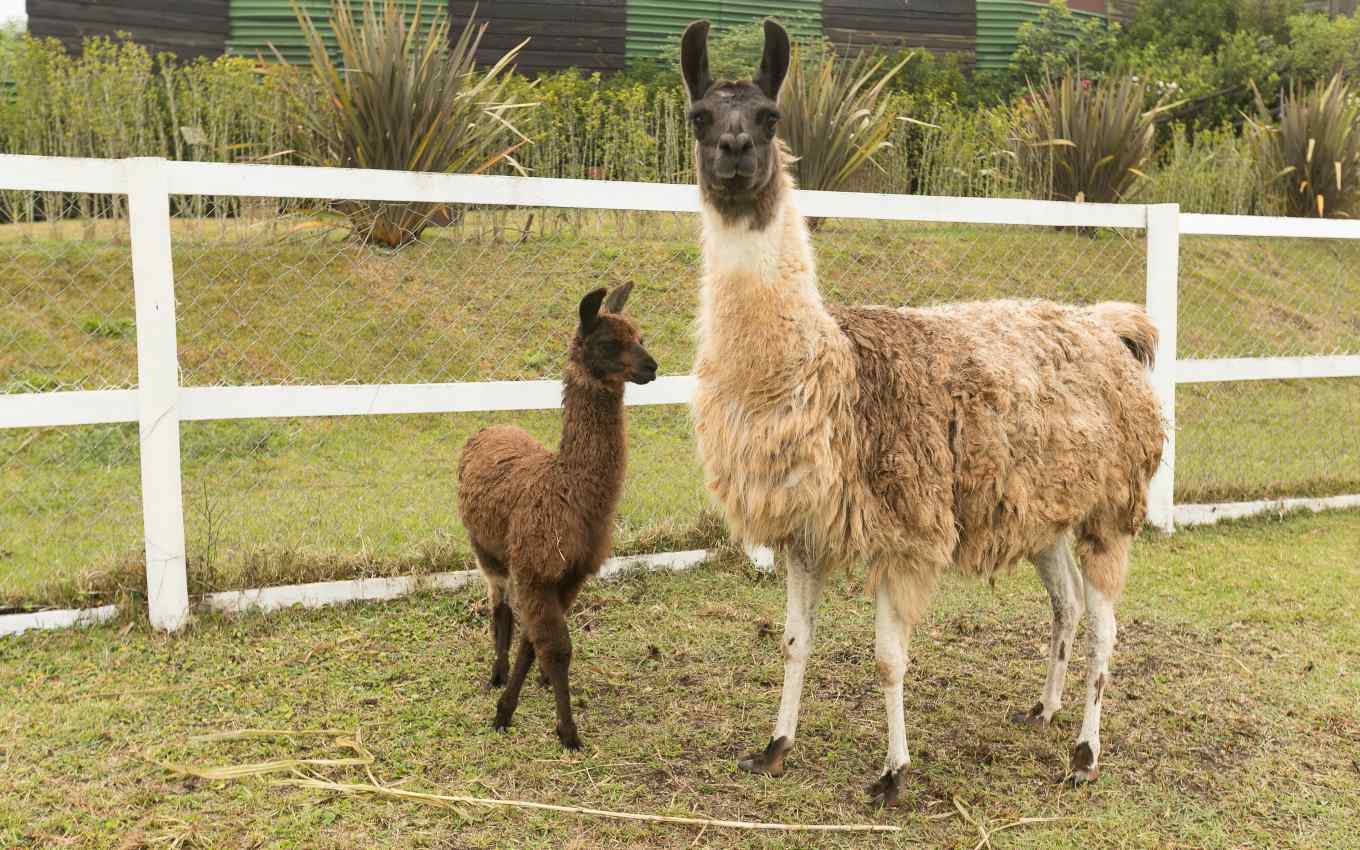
<point>771,119</point>
<point>699,121</point>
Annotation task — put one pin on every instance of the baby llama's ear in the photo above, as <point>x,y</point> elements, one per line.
<point>590,310</point>
<point>694,60</point>
<point>614,303</point>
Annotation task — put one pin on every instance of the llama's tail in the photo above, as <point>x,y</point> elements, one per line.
<point>1133,326</point>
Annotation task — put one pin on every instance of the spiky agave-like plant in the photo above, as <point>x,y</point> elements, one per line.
<point>403,98</point>
<point>1079,140</point>
<point>1311,159</point>
<point>833,118</point>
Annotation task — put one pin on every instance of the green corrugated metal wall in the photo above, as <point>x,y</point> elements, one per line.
<point>654,25</point>
<point>998,21</point>
<point>256,24</point>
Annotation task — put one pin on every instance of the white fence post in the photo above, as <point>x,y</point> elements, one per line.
<point>158,392</point>
<point>1163,269</point>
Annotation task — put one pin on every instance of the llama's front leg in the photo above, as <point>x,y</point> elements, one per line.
<point>804,589</point>
<point>1061,577</point>
<point>1086,756</point>
<point>552,643</point>
<point>892,634</point>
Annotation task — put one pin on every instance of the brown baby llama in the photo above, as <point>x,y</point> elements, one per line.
<point>541,523</point>
<point>905,442</point>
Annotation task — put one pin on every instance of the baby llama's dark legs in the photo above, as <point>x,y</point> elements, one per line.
<point>509,701</point>
<point>502,630</point>
<point>552,644</point>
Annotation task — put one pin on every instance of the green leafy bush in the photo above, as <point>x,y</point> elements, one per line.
<point>1206,24</point>
<point>835,119</point>
<point>1078,140</point>
<point>1320,46</point>
<point>1311,159</point>
<point>402,98</point>
<point>1059,42</point>
<point>734,52</point>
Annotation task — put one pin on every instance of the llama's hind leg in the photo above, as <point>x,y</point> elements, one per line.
<point>1103,566</point>
<point>804,589</point>
<point>502,619</point>
<point>502,630</point>
<point>1062,578</point>
<point>898,605</point>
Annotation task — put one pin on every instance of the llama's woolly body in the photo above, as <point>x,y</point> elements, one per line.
<point>911,440</point>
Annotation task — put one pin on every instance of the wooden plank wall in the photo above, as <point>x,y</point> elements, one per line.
<point>585,34</point>
<point>941,26</point>
<point>187,28</point>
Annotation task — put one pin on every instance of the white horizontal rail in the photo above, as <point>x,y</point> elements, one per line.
<point>17,624</point>
<point>1266,368</point>
<point>63,174</point>
<point>294,181</point>
<point>85,407</point>
<point>50,410</point>
<point>200,403</point>
<point>1199,224</point>
<point>1210,514</point>
<point>319,594</point>
<point>969,210</point>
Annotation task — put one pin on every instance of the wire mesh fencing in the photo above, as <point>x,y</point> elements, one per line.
<point>70,513</point>
<point>308,295</point>
<point>1254,297</point>
<point>300,293</point>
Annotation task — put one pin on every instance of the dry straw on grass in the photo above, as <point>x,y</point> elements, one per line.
<point>362,757</point>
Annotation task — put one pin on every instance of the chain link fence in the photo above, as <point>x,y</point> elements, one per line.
<point>70,509</point>
<point>1253,297</point>
<point>282,293</point>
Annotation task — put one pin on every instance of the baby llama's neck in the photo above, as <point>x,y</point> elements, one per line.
<point>759,308</point>
<point>593,451</point>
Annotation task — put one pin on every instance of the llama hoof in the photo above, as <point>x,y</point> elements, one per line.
<point>1084,768</point>
<point>886,789</point>
<point>1033,717</point>
<point>498,679</point>
<point>502,721</point>
<point>769,761</point>
<point>569,738</point>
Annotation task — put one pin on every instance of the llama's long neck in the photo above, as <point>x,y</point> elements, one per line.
<point>759,309</point>
<point>594,443</point>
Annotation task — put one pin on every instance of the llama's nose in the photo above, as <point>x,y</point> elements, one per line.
<point>735,145</point>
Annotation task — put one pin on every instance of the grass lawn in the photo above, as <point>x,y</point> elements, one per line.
<point>1233,720</point>
<point>291,301</point>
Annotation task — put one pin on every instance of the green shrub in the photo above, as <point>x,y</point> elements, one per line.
<point>1320,46</point>
<point>734,52</point>
<point>1059,42</point>
<point>1311,159</point>
<point>1206,24</point>
<point>1078,140</point>
<point>834,118</point>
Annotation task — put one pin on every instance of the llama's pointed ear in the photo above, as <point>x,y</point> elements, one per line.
<point>614,303</point>
<point>590,309</point>
<point>694,60</point>
<point>774,62</point>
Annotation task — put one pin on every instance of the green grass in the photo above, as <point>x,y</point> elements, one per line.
<point>1233,720</point>
<point>263,301</point>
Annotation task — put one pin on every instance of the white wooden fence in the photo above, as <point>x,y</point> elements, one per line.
<point>159,403</point>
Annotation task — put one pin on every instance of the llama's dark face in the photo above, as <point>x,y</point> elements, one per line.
<point>736,156</point>
<point>608,343</point>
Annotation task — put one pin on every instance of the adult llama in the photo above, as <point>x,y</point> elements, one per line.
<point>904,442</point>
